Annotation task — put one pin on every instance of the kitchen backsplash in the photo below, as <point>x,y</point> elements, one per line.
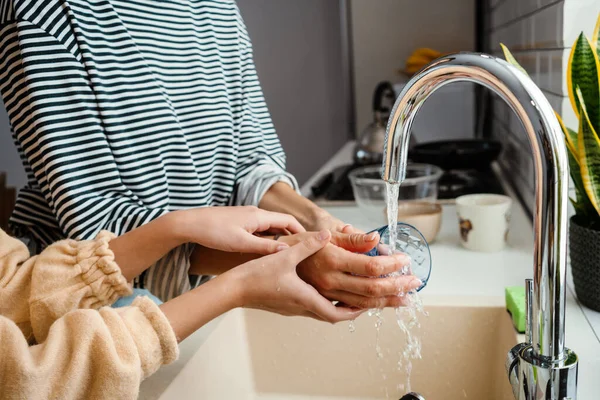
<point>539,33</point>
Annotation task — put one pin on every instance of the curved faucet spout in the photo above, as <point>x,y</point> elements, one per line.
<point>551,176</point>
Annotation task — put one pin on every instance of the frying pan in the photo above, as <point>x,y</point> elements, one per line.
<point>457,154</point>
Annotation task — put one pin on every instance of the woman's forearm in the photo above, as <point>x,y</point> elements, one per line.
<point>192,310</point>
<point>282,198</point>
<point>137,250</point>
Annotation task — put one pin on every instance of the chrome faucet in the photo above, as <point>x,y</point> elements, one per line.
<point>542,367</point>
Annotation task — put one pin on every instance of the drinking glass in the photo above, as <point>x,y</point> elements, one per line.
<point>410,242</point>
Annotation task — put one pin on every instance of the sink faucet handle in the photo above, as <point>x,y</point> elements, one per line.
<point>512,367</point>
<point>528,310</point>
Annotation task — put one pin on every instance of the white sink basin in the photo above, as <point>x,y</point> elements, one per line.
<point>257,355</point>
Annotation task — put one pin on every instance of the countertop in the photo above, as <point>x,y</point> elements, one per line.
<point>456,273</point>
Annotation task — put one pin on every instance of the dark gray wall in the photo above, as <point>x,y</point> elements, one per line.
<point>9,158</point>
<point>298,55</point>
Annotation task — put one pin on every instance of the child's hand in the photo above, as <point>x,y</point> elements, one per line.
<point>271,283</point>
<point>233,229</point>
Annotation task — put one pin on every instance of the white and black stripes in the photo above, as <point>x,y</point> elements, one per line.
<point>123,110</point>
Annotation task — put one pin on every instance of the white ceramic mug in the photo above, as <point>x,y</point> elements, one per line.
<point>483,221</point>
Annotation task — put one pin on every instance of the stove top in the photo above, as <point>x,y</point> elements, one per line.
<point>336,185</point>
<point>455,183</point>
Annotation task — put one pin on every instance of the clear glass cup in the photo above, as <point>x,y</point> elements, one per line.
<point>410,242</point>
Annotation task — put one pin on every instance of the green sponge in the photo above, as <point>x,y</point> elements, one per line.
<point>515,304</point>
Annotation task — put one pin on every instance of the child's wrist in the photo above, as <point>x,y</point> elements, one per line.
<point>236,283</point>
<point>178,226</point>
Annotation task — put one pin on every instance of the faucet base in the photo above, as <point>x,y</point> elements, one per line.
<point>533,378</point>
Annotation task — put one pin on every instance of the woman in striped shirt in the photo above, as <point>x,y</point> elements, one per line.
<point>125,110</point>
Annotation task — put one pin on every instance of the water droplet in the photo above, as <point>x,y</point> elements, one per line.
<point>351,327</point>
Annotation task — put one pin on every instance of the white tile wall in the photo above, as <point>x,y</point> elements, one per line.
<point>535,73</point>
<point>516,160</point>
<point>529,60</point>
<point>555,63</point>
<point>527,6</point>
<point>528,29</point>
<point>533,31</point>
<point>548,32</point>
<point>501,13</point>
<point>544,75</point>
<point>540,34</point>
<point>565,62</point>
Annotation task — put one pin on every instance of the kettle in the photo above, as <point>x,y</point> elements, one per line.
<point>369,148</point>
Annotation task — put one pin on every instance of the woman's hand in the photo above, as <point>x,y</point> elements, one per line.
<point>271,283</point>
<point>345,235</point>
<point>282,198</point>
<point>233,229</point>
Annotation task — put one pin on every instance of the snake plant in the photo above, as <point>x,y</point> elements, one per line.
<point>583,84</point>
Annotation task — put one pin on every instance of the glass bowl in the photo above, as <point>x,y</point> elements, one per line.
<point>421,184</point>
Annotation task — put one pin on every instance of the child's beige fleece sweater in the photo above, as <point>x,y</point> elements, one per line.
<point>56,342</point>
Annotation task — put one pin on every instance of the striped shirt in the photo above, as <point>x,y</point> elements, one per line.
<point>123,110</point>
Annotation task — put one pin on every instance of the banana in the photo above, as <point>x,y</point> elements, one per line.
<point>418,60</point>
<point>429,53</point>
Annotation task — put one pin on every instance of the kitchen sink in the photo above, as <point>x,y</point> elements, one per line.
<point>257,355</point>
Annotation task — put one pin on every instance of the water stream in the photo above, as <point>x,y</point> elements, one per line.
<point>407,316</point>
<point>412,349</point>
<point>392,190</point>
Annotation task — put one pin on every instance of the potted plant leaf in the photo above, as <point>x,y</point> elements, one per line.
<point>583,144</point>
